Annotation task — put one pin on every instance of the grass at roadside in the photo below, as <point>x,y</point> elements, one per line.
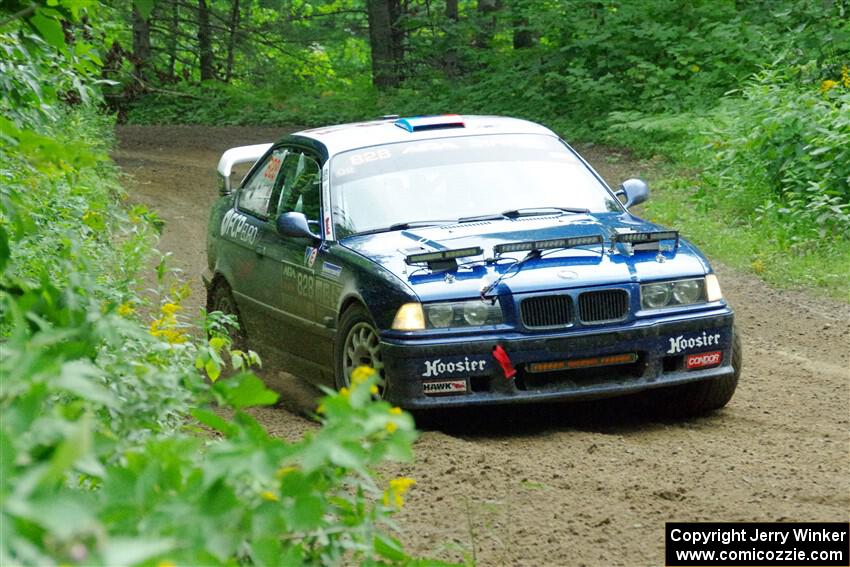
<point>748,246</point>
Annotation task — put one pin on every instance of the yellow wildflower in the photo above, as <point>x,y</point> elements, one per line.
<point>269,496</point>
<point>395,411</point>
<point>828,85</point>
<point>361,374</point>
<point>283,471</point>
<point>125,309</point>
<point>845,76</point>
<point>398,488</point>
<point>170,308</point>
<point>344,392</point>
<point>391,426</point>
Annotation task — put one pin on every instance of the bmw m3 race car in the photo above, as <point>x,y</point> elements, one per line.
<point>468,260</point>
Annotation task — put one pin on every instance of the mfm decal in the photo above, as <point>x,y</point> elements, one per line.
<point>236,225</point>
<point>680,343</point>
<point>438,367</point>
<point>331,271</point>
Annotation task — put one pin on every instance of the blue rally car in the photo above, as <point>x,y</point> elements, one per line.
<point>468,260</point>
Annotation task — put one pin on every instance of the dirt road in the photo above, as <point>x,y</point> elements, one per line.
<point>588,484</point>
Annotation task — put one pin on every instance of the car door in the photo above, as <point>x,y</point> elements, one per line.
<point>245,232</point>
<point>298,333</point>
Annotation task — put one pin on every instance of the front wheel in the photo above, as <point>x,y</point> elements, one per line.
<point>220,298</point>
<point>359,345</point>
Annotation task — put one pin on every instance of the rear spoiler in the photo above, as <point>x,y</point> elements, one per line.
<point>235,156</point>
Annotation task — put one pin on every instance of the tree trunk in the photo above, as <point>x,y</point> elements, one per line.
<point>523,36</point>
<point>173,28</point>
<point>231,40</point>
<point>486,22</point>
<point>451,10</point>
<point>382,42</point>
<point>205,42</point>
<point>141,43</point>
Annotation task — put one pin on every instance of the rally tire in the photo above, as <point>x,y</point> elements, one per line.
<point>702,397</point>
<point>358,343</point>
<point>220,298</point>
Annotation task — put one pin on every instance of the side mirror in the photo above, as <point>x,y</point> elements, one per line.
<point>295,225</point>
<point>636,192</point>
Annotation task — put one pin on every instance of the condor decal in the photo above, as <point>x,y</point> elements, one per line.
<point>235,225</point>
<point>703,359</point>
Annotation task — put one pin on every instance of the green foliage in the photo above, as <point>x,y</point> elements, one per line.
<point>783,149</point>
<point>115,449</point>
<point>224,105</point>
<point>771,163</point>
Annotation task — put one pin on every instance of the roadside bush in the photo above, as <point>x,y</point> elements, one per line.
<point>782,151</point>
<point>763,179</point>
<point>116,448</point>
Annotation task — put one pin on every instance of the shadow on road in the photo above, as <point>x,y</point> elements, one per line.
<point>611,415</point>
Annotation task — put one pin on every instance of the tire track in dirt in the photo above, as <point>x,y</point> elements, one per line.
<point>583,484</point>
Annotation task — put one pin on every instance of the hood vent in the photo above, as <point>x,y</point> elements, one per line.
<point>465,225</point>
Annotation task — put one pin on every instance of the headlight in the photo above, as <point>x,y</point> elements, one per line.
<point>409,317</point>
<point>680,292</point>
<point>440,315</point>
<point>687,291</point>
<point>712,288</point>
<point>654,296</point>
<point>462,314</point>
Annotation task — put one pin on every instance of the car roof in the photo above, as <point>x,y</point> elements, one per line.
<point>344,137</point>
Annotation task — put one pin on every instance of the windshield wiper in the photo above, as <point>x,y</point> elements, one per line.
<point>403,226</point>
<point>534,211</point>
<point>528,212</point>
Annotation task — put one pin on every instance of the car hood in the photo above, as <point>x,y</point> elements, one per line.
<point>557,269</point>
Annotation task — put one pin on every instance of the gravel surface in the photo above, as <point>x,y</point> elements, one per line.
<point>581,484</point>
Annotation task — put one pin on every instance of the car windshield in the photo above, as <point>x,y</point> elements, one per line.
<point>447,179</point>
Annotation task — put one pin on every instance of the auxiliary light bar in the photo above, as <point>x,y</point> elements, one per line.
<point>549,244</point>
<point>578,363</point>
<point>443,255</point>
<point>646,237</point>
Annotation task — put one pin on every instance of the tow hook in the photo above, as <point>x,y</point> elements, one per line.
<point>501,356</point>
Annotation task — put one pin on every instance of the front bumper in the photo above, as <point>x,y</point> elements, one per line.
<point>442,366</point>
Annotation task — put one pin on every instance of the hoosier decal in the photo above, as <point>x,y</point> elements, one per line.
<point>438,367</point>
<point>681,343</point>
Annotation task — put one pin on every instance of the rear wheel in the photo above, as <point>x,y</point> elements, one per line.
<point>220,298</point>
<point>698,398</point>
<point>360,345</point>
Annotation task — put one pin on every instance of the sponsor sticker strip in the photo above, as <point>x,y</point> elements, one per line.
<point>444,387</point>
